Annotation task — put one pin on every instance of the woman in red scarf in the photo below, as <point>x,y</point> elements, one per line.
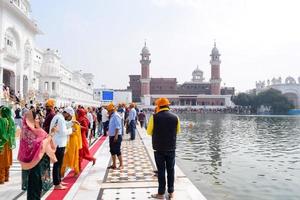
<point>84,152</point>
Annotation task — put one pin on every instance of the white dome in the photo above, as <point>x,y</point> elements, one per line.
<point>197,75</point>
<point>197,71</point>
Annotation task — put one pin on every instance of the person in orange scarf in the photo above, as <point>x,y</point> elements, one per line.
<point>7,142</point>
<point>71,158</point>
<point>84,152</point>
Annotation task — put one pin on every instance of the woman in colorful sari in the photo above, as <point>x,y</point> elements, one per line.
<point>71,158</point>
<point>84,152</point>
<point>7,142</point>
<point>35,147</point>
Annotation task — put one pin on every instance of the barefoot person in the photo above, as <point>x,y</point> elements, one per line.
<point>132,121</point>
<point>35,147</point>
<point>50,113</point>
<point>115,136</point>
<point>7,142</point>
<point>164,127</point>
<point>84,152</point>
<point>60,139</point>
<point>71,158</point>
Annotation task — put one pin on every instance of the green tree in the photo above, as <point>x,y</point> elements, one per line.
<point>243,99</point>
<point>273,98</point>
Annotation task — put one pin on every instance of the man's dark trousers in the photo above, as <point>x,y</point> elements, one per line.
<point>105,127</point>
<point>132,127</point>
<point>59,153</point>
<point>163,160</point>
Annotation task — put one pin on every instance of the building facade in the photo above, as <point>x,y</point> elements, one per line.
<point>196,92</point>
<point>33,73</point>
<point>289,88</point>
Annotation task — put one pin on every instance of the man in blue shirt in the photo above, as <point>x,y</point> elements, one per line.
<point>115,136</point>
<point>132,121</point>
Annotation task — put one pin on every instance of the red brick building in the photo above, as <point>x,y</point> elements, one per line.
<point>194,92</point>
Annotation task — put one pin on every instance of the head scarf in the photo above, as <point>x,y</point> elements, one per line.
<point>81,115</point>
<point>7,128</point>
<point>33,143</point>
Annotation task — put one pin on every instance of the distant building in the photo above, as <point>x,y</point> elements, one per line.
<point>122,96</point>
<point>33,73</point>
<point>194,92</point>
<point>289,88</point>
<point>105,96</point>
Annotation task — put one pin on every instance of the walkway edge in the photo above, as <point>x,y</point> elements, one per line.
<point>86,165</point>
<point>185,184</point>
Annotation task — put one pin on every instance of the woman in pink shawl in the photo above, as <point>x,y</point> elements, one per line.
<point>35,147</point>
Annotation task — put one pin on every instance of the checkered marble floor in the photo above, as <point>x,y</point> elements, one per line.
<point>137,164</point>
<point>137,194</point>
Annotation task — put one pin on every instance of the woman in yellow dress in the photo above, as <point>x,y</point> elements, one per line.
<point>7,142</point>
<point>71,158</point>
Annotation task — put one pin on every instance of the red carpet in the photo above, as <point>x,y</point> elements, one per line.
<point>70,179</point>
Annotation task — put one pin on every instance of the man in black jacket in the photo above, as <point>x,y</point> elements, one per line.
<point>164,127</point>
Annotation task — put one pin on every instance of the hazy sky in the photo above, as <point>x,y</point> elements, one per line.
<point>258,39</point>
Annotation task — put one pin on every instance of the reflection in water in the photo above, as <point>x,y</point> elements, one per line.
<point>241,157</point>
<point>214,147</point>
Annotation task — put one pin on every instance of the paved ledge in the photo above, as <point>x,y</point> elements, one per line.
<point>136,181</point>
<point>128,185</point>
<point>184,188</point>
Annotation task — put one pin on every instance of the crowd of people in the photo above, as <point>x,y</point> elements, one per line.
<point>203,110</point>
<point>9,94</point>
<point>61,135</point>
<point>49,134</point>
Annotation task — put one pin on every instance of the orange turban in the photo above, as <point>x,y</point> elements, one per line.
<point>50,103</point>
<point>163,102</point>
<point>110,107</point>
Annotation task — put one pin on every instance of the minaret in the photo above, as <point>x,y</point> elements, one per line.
<point>145,76</point>
<point>215,71</point>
